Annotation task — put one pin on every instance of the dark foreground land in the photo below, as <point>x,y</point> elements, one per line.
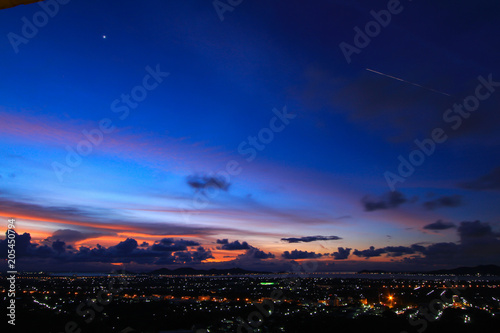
<point>145,303</point>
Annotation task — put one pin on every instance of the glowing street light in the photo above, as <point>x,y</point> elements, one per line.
<point>391,298</point>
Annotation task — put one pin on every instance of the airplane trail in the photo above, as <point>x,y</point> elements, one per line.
<point>415,84</point>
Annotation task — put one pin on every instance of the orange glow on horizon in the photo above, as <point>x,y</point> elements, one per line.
<point>60,221</point>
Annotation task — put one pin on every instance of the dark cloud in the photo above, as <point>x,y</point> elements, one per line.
<point>439,225</point>
<point>185,257</point>
<point>23,245</point>
<point>199,255</point>
<point>128,251</point>
<point>478,241</point>
<point>168,259</point>
<point>26,249</point>
<point>236,245</point>
<point>478,245</point>
<point>475,230</point>
<point>418,248</point>
<point>125,248</point>
<point>342,253</point>
<point>442,250</point>
<point>444,201</point>
<point>203,182</point>
<point>171,245</point>
<point>144,244</point>
<point>308,239</point>
<point>255,253</point>
<point>392,251</point>
<point>59,246</point>
<point>398,251</point>
<point>223,241</point>
<point>438,253</point>
<point>165,251</point>
<point>297,254</point>
<point>371,252</point>
<point>258,254</point>
<point>490,181</point>
<point>71,236</point>
<point>44,251</point>
<point>389,200</point>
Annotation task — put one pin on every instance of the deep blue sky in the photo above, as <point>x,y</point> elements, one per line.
<point>322,175</point>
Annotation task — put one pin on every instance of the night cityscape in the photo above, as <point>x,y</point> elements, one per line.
<point>258,302</point>
<point>248,166</point>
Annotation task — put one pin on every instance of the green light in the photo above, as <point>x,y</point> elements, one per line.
<point>267,283</point>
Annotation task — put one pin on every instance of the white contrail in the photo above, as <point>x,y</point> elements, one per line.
<point>415,84</point>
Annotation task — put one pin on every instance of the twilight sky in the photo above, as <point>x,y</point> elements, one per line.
<point>200,134</point>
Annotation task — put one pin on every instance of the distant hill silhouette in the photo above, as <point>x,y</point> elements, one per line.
<point>192,271</point>
<point>481,270</point>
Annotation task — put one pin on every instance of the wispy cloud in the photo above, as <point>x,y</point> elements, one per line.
<point>307,239</point>
<point>439,225</point>
<point>490,181</point>
<point>444,201</point>
<point>387,201</point>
